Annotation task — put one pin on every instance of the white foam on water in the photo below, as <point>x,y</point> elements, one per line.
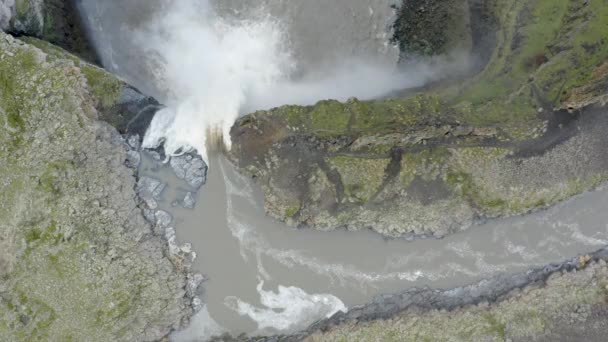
<point>579,236</point>
<point>210,70</point>
<point>202,328</point>
<point>207,66</point>
<point>521,251</point>
<point>288,309</point>
<point>251,240</point>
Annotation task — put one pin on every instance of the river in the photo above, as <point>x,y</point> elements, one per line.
<point>264,277</point>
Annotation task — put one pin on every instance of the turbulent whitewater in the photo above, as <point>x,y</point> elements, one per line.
<point>210,62</point>
<point>208,68</point>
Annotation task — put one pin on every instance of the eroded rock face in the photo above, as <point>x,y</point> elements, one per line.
<point>523,134</point>
<point>424,184</point>
<point>23,16</point>
<point>430,27</point>
<point>78,260</point>
<point>116,102</point>
<point>56,21</point>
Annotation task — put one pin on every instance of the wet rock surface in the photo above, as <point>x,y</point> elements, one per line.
<point>132,112</point>
<point>189,201</point>
<point>56,21</point>
<point>149,190</point>
<point>191,168</point>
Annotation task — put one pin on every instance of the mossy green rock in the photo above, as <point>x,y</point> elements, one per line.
<point>56,21</point>
<point>522,134</point>
<point>430,27</point>
<point>117,102</point>
<point>24,16</point>
<point>77,260</point>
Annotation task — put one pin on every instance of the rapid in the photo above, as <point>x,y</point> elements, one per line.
<point>210,62</point>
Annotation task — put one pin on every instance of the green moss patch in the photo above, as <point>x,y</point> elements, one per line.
<point>104,86</point>
<point>361,177</point>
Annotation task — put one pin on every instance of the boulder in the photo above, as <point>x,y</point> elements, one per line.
<point>191,168</point>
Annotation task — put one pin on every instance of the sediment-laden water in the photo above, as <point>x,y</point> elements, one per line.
<point>263,274</point>
<point>221,59</point>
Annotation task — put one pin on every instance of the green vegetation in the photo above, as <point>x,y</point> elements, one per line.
<point>105,87</point>
<point>48,30</point>
<point>291,211</point>
<point>22,7</point>
<point>427,27</point>
<point>361,177</point>
<point>496,327</point>
<point>330,118</point>
<point>427,164</point>
<point>545,50</point>
<point>23,65</point>
<point>66,213</point>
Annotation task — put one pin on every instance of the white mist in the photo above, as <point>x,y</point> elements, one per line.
<point>211,69</point>
<point>208,66</point>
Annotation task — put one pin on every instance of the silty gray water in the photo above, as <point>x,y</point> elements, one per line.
<point>263,274</point>
<point>238,248</point>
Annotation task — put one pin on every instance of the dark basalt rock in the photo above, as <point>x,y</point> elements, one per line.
<point>132,113</point>
<point>66,29</point>
<point>55,21</point>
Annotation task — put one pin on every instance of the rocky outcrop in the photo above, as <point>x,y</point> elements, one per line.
<point>78,261</point>
<point>117,103</point>
<point>521,135</point>
<point>429,27</point>
<point>22,16</point>
<point>56,21</point>
<point>191,168</point>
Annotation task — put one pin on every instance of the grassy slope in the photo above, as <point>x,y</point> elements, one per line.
<point>549,55</point>
<point>546,49</point>
<point>72,265</point>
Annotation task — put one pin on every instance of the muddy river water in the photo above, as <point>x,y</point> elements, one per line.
<point>264,277</point>
<point>263,274</point>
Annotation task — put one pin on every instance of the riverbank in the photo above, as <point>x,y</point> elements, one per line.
<point>559,302</point>
<point>514,138</point>
<point>78,260</point>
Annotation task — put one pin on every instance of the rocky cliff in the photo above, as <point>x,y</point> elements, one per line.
<point>77,259</point>
<point>521,134</point>
<point>55,21</point>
